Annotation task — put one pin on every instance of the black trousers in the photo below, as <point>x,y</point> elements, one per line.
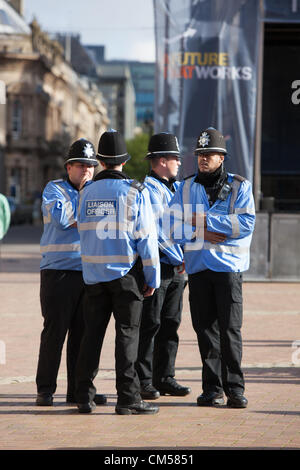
<point>122,297</point>
<point>216,305</point>
<point>161,318</point>
<point>61,296</point>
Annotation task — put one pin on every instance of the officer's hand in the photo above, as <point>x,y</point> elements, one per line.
<point>84,180</point>
<point>181,268</point>
<point>214,237</point>
<point>199,219</point>
<point>148,291</point>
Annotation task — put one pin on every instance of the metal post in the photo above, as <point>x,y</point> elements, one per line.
<point>257,151</point>
<point>166,90</point>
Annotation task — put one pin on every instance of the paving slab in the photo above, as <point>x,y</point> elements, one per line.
<point>271,362</point>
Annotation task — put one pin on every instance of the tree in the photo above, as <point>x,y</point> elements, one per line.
<point>137,167</point>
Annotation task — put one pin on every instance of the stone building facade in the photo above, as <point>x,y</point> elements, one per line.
<point>48,106</point>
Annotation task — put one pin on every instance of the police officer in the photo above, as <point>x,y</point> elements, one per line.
<point>62,288</point>
<point>120,266</point>
<point>161,317</point>
<point>221,206</point>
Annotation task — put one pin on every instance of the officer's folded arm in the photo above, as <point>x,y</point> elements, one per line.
<point>201,231</point>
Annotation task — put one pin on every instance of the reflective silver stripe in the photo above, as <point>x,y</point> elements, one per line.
<point>47,218</point>
<point>69,212</point>
<point>128,204</point>
<point>87,226</point>
<point>65,247</point>
<point>150,261</point>
<point>186,200</point>
<point>101,224</point>
<point>244,210</point>
<point>109,259</point>
<point>196,246</point>
<point>235,189</point>
<point>79,202</point>
<point>235,225</point>
<point>159,188</point>
<point>186,191</point>
<point>229,249</point>
<point>131,195</point>
<point>65,193</point>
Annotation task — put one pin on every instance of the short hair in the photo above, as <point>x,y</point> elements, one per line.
<point>109,166</point>
<point>154,161</point>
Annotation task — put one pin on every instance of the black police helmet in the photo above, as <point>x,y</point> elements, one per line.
<point>112,148</point>
<point>82,151</point>
<point>211,140</point>
<point>163,144</point>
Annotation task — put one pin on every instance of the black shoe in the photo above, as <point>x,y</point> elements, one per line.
<point>169,386</point>
<point>44,399</point>
<point>86,407</point>
<point>149,392</point>
<point>98,399</point>
<point>210,399</point>
<point>237,400</point>
<point>137,409</point>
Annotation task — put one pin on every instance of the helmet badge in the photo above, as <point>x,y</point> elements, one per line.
<point>88,151</point>
<point>203,139</point>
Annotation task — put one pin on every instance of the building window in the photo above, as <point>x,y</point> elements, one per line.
<point>16,119</point>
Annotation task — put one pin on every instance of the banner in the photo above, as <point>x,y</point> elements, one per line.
<point>281,10</point>
<point>207,60</point>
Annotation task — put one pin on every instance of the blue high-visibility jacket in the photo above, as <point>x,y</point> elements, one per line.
<point>116,226</point>
<point>161,196</point>
<point>60,242</point>
<point>234,216</point>
<point>5,215</point>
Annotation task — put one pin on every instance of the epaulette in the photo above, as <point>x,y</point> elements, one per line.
<point>138,185</point>
<point>239,178</point>
<point>58,181</point>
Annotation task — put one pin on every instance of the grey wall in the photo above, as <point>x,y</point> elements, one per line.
<point>275,249</point>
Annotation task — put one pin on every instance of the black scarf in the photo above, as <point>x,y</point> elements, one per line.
<point>111,174</point>
<point>212,182</point>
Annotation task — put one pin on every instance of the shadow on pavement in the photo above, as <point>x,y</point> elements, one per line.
<point>278,375</point>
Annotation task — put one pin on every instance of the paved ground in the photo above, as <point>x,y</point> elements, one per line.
<point>271,365</point>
